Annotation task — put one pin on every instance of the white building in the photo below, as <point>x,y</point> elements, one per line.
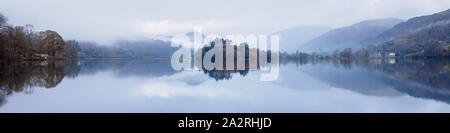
<point>391,55</point>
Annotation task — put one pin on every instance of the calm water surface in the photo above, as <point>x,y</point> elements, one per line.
<point>153,86</point>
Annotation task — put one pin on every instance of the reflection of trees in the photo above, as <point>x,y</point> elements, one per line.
<point>431,72</point>
<point>24,76</point>
<point>51,75</point>
<point>224,74</point>
<point>425,78</point>
<point>72,68</point>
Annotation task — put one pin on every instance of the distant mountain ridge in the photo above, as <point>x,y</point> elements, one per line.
<point>352,36</point>
<point>414,25</point>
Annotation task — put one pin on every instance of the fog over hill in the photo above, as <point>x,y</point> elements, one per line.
<point>414,25</point>
<point>293,38</point>
<point>351,36</point>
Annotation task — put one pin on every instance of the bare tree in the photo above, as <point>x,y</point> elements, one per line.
<point>3,20</point>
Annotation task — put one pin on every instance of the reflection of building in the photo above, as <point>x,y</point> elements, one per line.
<point>391,61</point>
<point>43,63</point>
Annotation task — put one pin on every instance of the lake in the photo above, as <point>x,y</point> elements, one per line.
<point>391,85</point>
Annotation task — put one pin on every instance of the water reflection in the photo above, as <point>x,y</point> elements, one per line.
<point>418,78</point>
<point>421,79</point>
<point>25,76</point>
<point>124,68</point>
<point>224,74</point>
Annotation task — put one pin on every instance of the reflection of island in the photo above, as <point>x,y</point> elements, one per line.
<point>224,74</point>
<point>418,78</point>
<point>24,76</point>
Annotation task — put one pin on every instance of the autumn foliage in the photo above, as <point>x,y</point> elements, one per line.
<point>22,43</point>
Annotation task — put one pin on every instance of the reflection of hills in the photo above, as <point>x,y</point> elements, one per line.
<point>355,79</point>
<point>433,73</point>
<point>24,76</point>
<point>418,78</point>
<point>143,68</point>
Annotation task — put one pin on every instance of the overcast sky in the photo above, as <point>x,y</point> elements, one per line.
<point>106,20</point>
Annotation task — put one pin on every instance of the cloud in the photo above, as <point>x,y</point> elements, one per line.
<point>172,27</point>
<point>369,3</point>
